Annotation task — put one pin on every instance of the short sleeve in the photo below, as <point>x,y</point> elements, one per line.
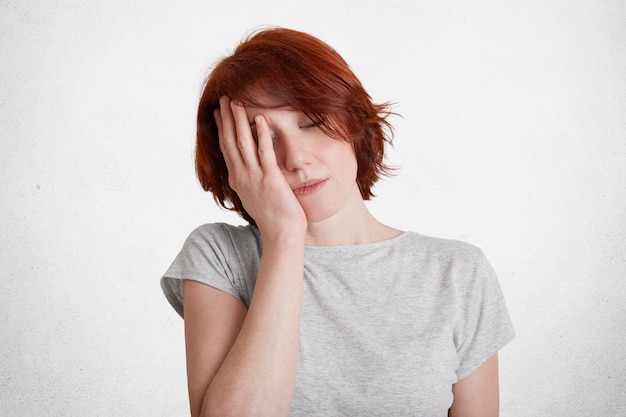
<point>487,324</point>
<point>209,255</point>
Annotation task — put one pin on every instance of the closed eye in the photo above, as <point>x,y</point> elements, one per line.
<point>310,125</point>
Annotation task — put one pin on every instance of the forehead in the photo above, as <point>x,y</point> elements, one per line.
<point>259,101</point>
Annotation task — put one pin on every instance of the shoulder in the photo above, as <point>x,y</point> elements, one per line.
<point>224,230</point>
<point>225,235</point>
<point>445,250</point>
<point>223,256</point>
<point>218,249</point>
<point>459,267</point>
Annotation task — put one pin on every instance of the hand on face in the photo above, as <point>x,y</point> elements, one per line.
<point>253,171</point>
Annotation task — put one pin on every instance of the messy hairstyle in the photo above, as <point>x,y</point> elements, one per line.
<point>301,72</point>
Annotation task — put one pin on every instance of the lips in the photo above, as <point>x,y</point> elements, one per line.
<point>308,187</point>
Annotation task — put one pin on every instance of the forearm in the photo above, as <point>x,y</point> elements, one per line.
<point>258,374</point>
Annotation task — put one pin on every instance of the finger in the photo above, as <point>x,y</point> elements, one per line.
<point>245,140</point>
<point>217,115</point>
<point>227,135</point>
<point>218,121</point>
<point>267,156</point>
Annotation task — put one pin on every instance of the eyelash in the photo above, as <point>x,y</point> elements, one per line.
<point>310,125</point>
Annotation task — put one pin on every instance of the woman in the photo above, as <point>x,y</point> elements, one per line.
<point>349,316</point>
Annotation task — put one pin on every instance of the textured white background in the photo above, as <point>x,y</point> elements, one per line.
<point>513,137</point>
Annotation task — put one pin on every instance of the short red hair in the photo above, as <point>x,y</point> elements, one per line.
<point>301,72</point>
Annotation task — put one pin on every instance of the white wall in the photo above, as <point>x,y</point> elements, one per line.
<point>513,137</point>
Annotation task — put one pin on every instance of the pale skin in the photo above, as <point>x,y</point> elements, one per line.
<point>242,361</point>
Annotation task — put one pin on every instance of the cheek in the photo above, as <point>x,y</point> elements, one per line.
<point>346,160</point>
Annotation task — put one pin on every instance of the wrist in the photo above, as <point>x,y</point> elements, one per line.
<point>291,237</point>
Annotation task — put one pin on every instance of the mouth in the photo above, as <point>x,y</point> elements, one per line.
<point>309,187</point>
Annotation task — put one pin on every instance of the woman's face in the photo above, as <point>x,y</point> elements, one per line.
<point>320,170</point>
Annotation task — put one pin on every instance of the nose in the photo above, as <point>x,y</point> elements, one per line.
<point>292,152</point>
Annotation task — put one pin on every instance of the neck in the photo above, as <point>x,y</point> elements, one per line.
<point>351,227</point>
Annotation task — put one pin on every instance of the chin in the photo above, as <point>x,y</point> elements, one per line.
<point>318,214</point>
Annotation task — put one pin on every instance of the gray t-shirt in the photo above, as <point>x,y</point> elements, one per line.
<point>387,327</point>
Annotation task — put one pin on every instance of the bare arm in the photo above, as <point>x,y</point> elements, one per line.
<point>238,358</point>
<point>213,319</point>
<point>478,394</point>
<point>242,362</point>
